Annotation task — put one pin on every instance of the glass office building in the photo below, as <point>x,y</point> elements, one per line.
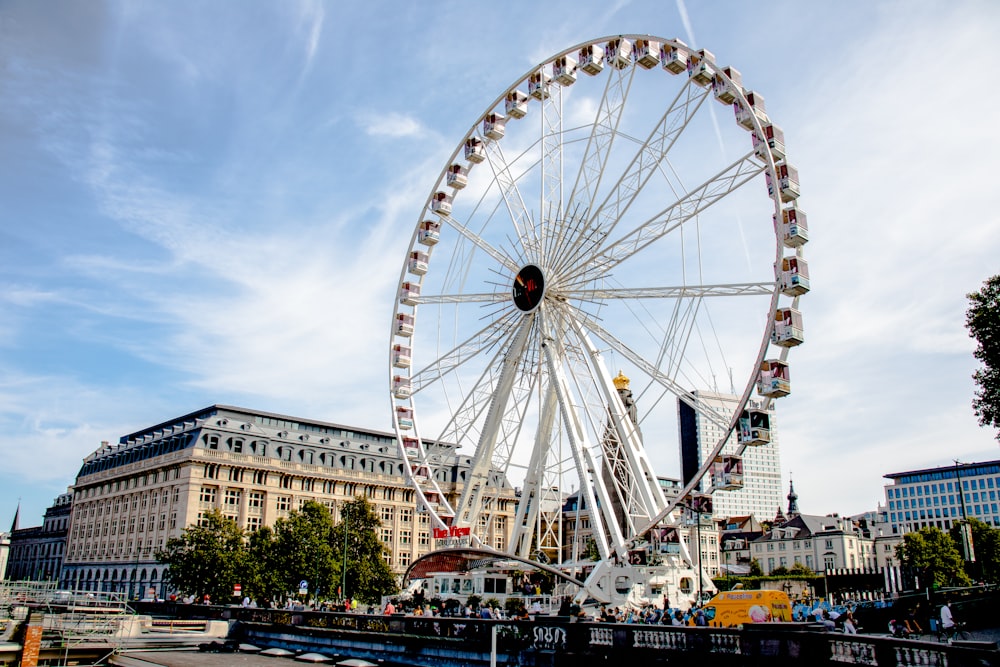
<point>938,497</point>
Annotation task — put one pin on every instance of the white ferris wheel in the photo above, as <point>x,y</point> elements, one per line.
<point>606,239</point>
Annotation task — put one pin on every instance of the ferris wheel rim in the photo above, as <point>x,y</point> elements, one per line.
<point>769,167</point>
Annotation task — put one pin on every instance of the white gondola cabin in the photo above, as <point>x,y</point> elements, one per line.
<point>647,53</point>
<point>404,325</point>
<point>429,233</point>
<point>441,203</point>
<point>788,182</point>
<point>592,59</point>
<point>773,140</point>
<point>409,293</point>
<point>404,417</point>
<point>773,380</point>
<point>411,448</point>
<point>754,427</point>
<point>754,107</point>
<point>725,91</point>
<point>793,277</point>
<point>794,230</point>
<point>475,151</point>
<point>619,53</point>
<point>727,472</point>
<point>458,176</point>
<point>417,263</point>
<point>401,356</point>
<point>538,84</point>
<point>788,330</point>
<point>674,60</point>
<point>701,68</point>
<point>564,70</point>
<point>420,473</point>
<point>401,386</point>
<point>516,104</point>
<point>494,125</point>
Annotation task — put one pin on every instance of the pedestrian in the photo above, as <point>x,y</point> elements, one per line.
<point>390,608</point>
<point>947,618</point>
<point>849,625</point>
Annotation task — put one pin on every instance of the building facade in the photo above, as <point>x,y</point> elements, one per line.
<point>761,492</point>
<point>937,497</point>
<point>36,554</point>
<point>255,467</point>
<point>820,543</point>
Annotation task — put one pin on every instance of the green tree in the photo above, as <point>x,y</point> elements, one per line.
<point>801,570</point>
<point>982,319</point>
<point>302,550</point>
<point>986,546</point>
<point>755,569</point>
<point>933,555</point>
<point>368,574</point>
<point>265,579</point>
<point>208,559</point>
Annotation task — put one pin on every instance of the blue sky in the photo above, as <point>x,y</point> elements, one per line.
<point>210,203</point>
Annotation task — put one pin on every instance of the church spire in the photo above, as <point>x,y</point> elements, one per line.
<point>15,524</point>
<point>793,498</point>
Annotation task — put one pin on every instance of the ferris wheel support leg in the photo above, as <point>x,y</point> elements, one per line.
<point>469,506</point>
<point>587,469</point>
<point>530,504</point>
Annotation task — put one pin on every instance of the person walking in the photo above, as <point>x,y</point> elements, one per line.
<point>947,619</point>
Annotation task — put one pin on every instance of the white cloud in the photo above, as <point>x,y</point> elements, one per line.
<point>393,125</point>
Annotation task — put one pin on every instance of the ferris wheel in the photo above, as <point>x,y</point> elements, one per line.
<point>606,239</point>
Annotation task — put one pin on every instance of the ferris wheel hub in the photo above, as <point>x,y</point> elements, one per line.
<point>529,288</point>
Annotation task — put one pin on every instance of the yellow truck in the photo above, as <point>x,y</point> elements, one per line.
<point>732,608</point>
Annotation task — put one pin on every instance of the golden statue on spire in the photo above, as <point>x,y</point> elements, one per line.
<point>621,382</point>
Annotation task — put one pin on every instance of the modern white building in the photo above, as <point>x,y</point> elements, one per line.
<point>937,497</point>
<point>761,495</point>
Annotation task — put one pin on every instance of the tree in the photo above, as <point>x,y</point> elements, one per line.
<point>933,555</point>
<point>982,319</point>
<point>207,559</point>
<point>986,546</point>
<point>801,570</point>
<point>368,574</point>
<point>755,569</point>
<point>265,580</point>
<point>302,550</point>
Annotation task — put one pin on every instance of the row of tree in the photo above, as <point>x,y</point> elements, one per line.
<point>936,557</point>
<point>336,560</point>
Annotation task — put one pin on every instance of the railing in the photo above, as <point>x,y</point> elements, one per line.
<point>781,643</point>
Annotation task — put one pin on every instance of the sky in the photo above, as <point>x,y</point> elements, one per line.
<point>210,203</point>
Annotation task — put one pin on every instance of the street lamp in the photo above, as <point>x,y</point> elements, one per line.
<point>343,577</point>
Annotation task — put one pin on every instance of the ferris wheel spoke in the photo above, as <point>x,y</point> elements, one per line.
<point>647,160</point>
<point>678,292</point>
<point>602,137</point>
<point>651,371</point>
<point>684,209</point>
<point>506,180</point>
<point>532,495</point>
<point>475,345</point>
<point>480,298</point>
<point>497,255</point>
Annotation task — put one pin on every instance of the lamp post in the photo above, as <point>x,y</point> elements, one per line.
<point>343,577</point>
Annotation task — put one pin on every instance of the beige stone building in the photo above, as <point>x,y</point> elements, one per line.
<point>131,497</point>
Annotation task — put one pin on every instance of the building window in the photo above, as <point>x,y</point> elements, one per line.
<point>260,477</point>
<point>208,495</point>
<point>283,503</point>
<point>385,512</point>
<point>386,535</point>
<point>232,498</point>
<point>253,523</point>
<point>255,500</point>
<point>405,514</point>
